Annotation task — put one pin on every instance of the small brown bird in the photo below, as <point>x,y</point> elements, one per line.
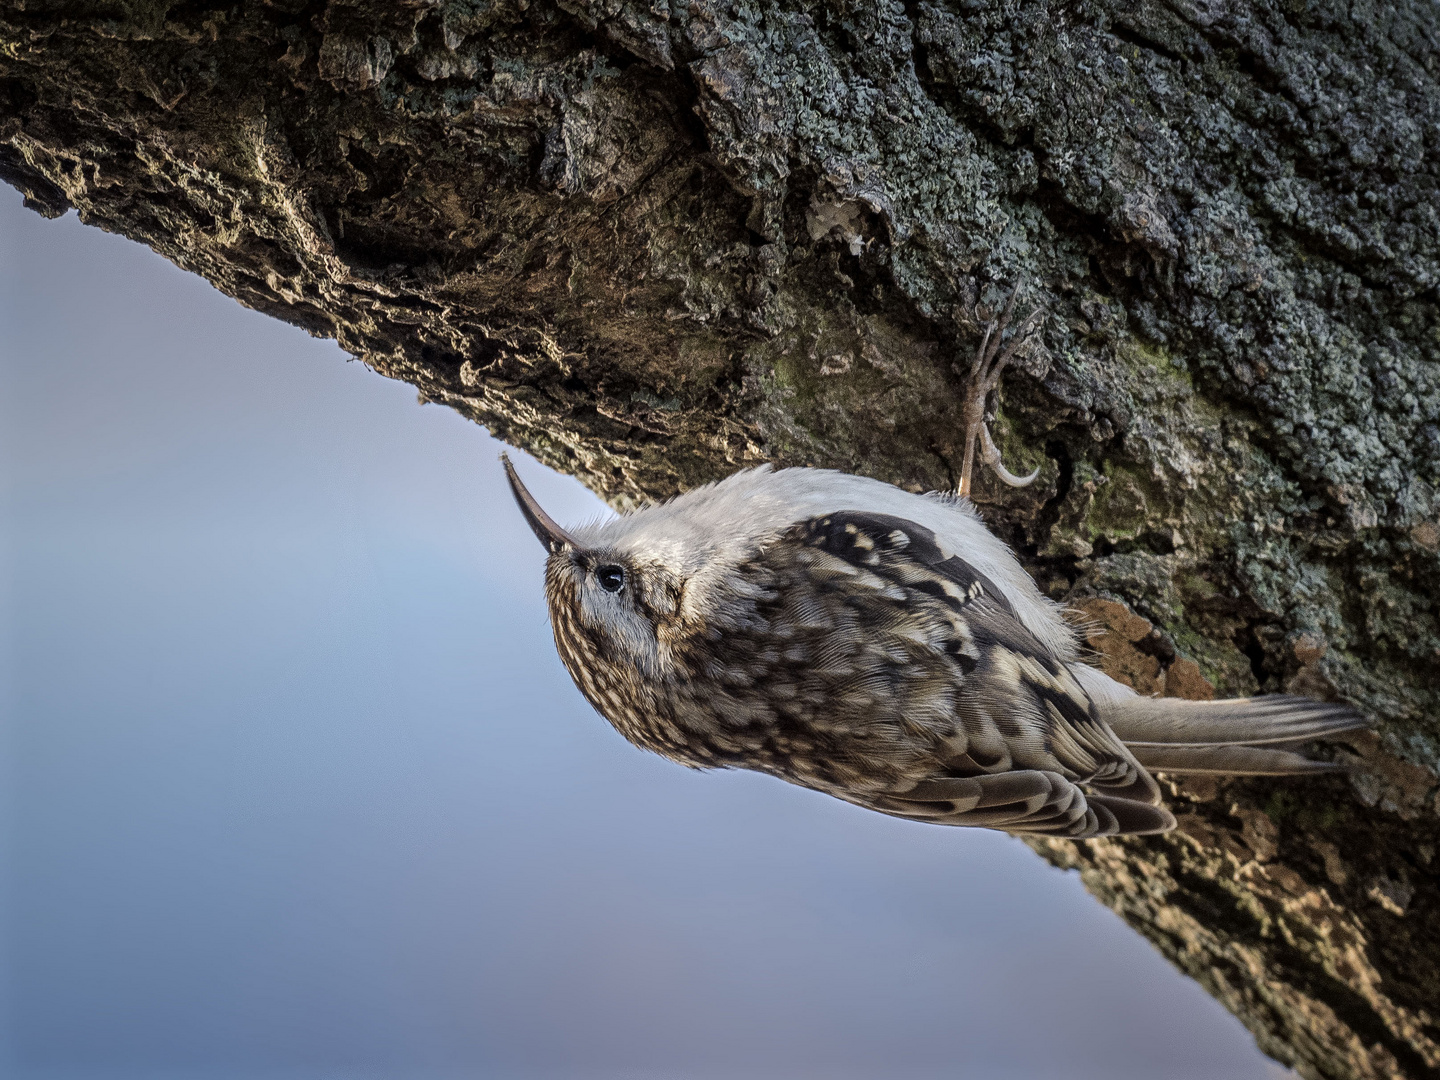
<point>884,648</point>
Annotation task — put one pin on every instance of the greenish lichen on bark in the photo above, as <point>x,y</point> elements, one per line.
<point>657,242</point>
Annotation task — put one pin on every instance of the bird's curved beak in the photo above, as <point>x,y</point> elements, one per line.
<point>541,524</point>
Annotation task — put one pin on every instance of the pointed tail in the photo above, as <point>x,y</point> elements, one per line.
<point>1242,736</point>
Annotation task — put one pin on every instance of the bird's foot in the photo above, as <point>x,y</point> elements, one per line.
<point>995,353</point>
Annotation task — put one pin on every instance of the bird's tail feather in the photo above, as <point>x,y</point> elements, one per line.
<point>1245,736</point>
<point>1228,761</point>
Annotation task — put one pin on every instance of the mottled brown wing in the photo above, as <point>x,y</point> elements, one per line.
<point>1024,801</point>
<point>1027,721</point>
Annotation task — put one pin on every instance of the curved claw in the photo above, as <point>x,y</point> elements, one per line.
<point>991,453</point>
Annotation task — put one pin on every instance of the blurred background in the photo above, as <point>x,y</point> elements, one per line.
<point>295,787</point>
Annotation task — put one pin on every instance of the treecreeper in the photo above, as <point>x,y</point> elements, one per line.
<point>654,244</point>
<point>882,647</point>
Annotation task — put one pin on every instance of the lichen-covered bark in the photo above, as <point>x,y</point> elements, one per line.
<point>654,242</point>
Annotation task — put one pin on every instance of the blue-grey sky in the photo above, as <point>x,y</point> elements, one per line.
<point>298,790</point>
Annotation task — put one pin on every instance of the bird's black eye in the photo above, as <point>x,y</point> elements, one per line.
<point>610,577</point>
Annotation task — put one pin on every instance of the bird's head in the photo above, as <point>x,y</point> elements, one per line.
<point>616,604</point>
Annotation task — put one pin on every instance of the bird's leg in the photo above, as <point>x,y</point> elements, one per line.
<point>991,359</point>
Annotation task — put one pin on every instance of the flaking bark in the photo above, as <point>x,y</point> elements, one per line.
<point>657,242</point>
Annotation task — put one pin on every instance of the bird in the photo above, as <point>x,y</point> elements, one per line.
<point>882,647</point>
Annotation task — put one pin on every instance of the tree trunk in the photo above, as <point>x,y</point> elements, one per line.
<point>656,242</point>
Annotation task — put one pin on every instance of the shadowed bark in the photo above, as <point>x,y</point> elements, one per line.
<point>655,242</point>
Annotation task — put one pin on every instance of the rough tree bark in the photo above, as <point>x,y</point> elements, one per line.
<point>653,242</point>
